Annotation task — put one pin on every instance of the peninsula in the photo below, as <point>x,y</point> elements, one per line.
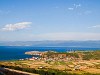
<point>58,63</point>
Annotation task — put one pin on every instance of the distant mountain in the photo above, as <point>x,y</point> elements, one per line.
<point>52,43</point>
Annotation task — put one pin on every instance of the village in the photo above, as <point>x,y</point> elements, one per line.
<point>52,55</point>
<point>78,63</point>
<point>69,61</point>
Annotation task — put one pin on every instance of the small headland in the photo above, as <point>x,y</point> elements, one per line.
<point>58,63</point>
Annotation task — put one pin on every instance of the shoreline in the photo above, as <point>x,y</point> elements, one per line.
<point>71,63</point>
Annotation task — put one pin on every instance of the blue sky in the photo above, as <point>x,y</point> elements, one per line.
<point>31,20</point>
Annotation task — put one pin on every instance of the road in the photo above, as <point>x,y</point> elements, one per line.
<point>7,71</point>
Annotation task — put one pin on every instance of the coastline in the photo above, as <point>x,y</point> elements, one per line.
<point>59,63</point>
<point>16,53</point>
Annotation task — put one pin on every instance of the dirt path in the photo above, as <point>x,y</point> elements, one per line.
<point>7,71</point>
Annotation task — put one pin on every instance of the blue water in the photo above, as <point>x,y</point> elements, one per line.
<point>18,52</point>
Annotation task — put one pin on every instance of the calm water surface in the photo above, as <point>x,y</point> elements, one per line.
<point>18,52</point>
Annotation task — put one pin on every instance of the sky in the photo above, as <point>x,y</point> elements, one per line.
<point>35,20</point>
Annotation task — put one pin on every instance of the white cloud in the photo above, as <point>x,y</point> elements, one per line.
<point>70,8</point>
<point>77,5</point>
<point>96,26</point>
<point>16,26</point>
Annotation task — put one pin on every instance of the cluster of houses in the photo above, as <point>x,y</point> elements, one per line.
<point>48,55</point>
<point>54,56</point>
